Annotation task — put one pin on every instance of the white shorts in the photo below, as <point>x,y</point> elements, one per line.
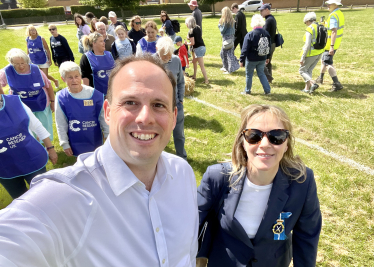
<point>44,66</point>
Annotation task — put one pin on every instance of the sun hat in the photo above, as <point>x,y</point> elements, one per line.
<point>337,2</point>
<point>265,6</point>
<point>193,3</point>
<point>177,39</point>
<point>112,14</point>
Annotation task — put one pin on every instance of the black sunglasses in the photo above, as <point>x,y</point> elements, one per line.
<point>138,23</point>
<point>275,137</point>
<point>52,29</point>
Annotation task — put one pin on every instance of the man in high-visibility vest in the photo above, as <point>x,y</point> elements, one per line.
<point>335,27</point>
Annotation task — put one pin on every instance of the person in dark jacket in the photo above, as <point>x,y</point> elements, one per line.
<point>264,205</point>
<point>240,26</point>
<point>61,51</point>
<point>250,55</point>
<point>270,27</point>
<point>137,32</point>
<point>196,13</point>
<point>167,25</point>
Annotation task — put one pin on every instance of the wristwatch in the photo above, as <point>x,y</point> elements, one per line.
<point>48,148</point>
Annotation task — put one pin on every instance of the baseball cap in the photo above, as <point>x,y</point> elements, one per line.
<point>337,2</point>
<point>112,14</point>
<point>265,6</point>
<point>177,39</point>
<point>193,3</point>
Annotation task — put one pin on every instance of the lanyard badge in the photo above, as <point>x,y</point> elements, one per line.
<point>279,227</point>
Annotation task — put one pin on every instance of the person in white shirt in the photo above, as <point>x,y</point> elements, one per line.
<point>126,204</point>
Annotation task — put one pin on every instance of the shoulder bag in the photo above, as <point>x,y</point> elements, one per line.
<point>279,39</point>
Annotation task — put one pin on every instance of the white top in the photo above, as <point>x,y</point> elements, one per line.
<point>98,213</point>
<point>35,126</point>
<point>252,205</point>
<point>62,122</point>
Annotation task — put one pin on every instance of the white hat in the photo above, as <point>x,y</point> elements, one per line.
<point>337,2</point>
<point>112,14</point>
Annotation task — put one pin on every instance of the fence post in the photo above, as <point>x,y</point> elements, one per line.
<point>290,10</point>
<point>366,6</point>
<point>306,8</point>
<point>275,10</point>
<point>351,6</point>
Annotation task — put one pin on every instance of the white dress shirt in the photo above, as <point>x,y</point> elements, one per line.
<point>98,213</point>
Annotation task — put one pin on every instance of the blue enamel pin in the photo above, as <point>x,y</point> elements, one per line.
<point>279,227</point>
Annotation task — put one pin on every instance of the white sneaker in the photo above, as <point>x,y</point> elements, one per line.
<point>223,69</point>
<point>226,72</point>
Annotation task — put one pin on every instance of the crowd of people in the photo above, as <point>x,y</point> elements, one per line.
<point>125,195</point>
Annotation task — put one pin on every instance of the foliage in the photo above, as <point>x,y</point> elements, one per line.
<point>340,122</point>
<point>32,12</point>
<point>31,3</point>
<point>144,10</point>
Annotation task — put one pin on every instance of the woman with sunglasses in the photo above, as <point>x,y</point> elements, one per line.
<point>262,208</point>
<point>61,51</point>
<point>136,32</point>
<point>167,25</point>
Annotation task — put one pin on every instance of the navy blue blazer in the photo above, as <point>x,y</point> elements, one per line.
<point>231,245</point>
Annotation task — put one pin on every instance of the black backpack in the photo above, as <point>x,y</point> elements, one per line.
<point>321,39</point>
<point>176,25</point>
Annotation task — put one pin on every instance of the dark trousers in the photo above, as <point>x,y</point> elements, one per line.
<point>16,186</point>
<point>269,68</point>
<point>59,60</point>
<point>238,41</point>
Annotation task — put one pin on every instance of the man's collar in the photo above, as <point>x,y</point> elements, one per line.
<point>119,175</point>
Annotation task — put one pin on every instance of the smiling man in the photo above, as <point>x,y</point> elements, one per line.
<point>126,204</point>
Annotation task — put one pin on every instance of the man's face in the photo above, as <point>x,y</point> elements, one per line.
<point>192,7</point>
<point>234,10</point>
<point>141,116</point>
<point>264,12</point>
<point>331,7</point>
<point>164,58</point>
<point>113,19</point>
<point>102,30</point>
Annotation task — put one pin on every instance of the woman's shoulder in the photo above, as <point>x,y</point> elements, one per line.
<point>218,171</point>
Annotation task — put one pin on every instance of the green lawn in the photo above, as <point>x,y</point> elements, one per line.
<point>340,122</point>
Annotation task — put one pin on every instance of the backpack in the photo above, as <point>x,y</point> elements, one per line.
<point>321,38</point>
<point>176,25</point>
<point>263,46</point>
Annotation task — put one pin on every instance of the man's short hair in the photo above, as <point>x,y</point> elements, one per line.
<point>104,20</point>
<point>89,15</point>
<point>234,5</point>
<point>145,57</point>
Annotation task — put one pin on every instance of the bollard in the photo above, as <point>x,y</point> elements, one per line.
<point>275,10</point>
<point>290,10</point>
<point>67,23</point>
<point>351,6</point>
<point>366,6</point>
<point>306,8</point>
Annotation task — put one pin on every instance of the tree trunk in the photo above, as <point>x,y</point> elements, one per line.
<point>123,14</point>
<point>298,5</point>
<point>214,10</point>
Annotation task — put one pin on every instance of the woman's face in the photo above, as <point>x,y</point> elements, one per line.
<point>99,45</point>
<point>122,35</point>
<point>264,156</point>
<point>33,32</point>
<point>137,24</point>
<point>78,20</point>
<point>20,65</point>
<point>163,17</point>
<point>151,33</point>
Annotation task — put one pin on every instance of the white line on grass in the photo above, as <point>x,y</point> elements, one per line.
<point>343,159</point>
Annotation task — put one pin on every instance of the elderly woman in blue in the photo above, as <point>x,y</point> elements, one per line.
<point>31,84</point>
<point>148,43</point>
<point>227,28</point>
<point>262,208</point>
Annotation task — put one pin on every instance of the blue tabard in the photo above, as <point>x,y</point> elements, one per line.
<point>28,86</point>
<point>84,130</point>
<point>148,47</point>
<point>36,50</point>
<point>101,67</point>
<point>20,152</point>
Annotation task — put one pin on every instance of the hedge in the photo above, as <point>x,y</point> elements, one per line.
<point>33,12</point>
<point>145,10</point>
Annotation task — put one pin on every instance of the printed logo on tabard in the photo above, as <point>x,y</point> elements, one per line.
<point>88,102</point>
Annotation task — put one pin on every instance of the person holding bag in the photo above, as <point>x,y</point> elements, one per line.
<point>226,26</point>
<point>266,206</point>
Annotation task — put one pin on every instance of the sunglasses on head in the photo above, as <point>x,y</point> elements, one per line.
<point>138,23</point>
<point>275,137</point>
<point>52,29</point>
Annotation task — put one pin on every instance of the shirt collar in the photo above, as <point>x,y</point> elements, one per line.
<point>119,175</point>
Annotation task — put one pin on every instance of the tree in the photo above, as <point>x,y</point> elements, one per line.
<point>298,5</point>
<point>122,4</point>
<point>31,3</point>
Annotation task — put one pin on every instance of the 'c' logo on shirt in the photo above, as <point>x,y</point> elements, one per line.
<point>4,148</point>
<point>71,125</point>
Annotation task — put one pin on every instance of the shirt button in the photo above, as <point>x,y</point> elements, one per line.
<point>163,261</point>
<point>157,229</point>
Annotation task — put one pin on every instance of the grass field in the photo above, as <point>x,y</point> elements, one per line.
<point>340,122</point>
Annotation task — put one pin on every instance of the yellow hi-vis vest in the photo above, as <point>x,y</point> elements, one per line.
<point>312,29</point>
<point>340,18</point>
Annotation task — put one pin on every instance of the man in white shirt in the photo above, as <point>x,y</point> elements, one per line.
<point>126,204</point>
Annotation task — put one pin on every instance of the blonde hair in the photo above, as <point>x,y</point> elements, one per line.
<point>89,40</point>
<point>191,24</point>
<point>290,164</point>
<point>52,26</point>
<point>151,24</point>
<point>29,28</point>
<point>133,20</point>
<point>226,17</point>
<point>119,28</point>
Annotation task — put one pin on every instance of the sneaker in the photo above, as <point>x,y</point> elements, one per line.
<point>226,72</point>
<point>223,69</point>
<point>245,93</point>
<point>267,93</point>
<point>336,87</point>
<point>313,88</point>
<point>305,91</point>
<point>319,80</point>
